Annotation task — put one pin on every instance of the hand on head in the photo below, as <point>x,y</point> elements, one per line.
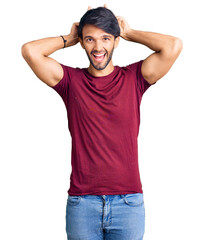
<point>123,24</point>
<point>105,5</point>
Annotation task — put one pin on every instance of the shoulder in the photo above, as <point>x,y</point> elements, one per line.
<point>70,72</point>
<point>133,66</point>
<point>69,68</point>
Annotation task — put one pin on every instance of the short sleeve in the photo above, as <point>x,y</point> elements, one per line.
<point>141,83</point>
<point>62,86</point>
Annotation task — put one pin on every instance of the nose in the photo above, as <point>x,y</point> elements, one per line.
<point>98,46</point>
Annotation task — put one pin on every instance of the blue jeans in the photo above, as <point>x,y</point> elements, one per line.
<point>109,217</point>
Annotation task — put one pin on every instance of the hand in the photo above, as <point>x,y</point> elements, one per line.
<point>74,39</point>
<point>124,27</point>
<point>74,32</point>
<point>105,5</point>
<point>123,24</point>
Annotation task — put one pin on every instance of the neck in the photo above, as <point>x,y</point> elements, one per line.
<point>100,73</point>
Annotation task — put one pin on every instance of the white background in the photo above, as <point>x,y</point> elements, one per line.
<point>35,155</point>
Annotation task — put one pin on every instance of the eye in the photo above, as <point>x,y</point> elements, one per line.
<point>89,39</point>
<point>106,39</point>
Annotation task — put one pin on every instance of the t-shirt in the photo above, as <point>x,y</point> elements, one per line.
<point>103,116</point>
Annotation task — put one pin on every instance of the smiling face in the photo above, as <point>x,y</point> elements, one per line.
<point>99,47</point>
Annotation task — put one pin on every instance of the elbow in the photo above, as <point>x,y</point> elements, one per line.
<point>29,50</point>
<point>177,46</point>
<point>25,50</point>
<point>174,48</point>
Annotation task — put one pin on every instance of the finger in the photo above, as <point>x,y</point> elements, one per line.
<point>105,6</point>
<point>89,7</point>
<point>120,19</point>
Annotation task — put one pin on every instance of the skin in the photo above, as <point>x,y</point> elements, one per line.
<point>166,50</point>
<point>96,41</point>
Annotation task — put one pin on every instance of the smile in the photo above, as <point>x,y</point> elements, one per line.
<point>99,57</point>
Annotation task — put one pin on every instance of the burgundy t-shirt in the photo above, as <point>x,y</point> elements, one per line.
<point>103,119</point>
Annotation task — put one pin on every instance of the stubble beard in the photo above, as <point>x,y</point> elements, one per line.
<point>105,65</point>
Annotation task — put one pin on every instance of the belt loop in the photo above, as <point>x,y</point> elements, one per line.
<point>122,196</point>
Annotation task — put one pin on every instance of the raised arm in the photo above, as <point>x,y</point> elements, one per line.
<point>36,55</point>
<point>167,48</point>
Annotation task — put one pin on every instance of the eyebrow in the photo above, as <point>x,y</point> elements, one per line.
<point>102,36</point>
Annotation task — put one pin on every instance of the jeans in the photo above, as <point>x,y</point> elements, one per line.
<point>105,217</point>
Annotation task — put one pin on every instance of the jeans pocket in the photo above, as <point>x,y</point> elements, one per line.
<point>134,199</point>
<point>73,200</point>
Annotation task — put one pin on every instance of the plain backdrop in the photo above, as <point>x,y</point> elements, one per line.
<point>35,154</point>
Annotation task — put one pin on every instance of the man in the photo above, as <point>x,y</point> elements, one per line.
<point>105,199</point>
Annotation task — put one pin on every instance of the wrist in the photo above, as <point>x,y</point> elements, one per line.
<point>71,40</point>
<point>127,35</point>
<point>66,44</point>
<point>64,40</point>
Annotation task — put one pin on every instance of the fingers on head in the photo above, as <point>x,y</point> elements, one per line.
<point>105,6</point>
<point>119,18</point>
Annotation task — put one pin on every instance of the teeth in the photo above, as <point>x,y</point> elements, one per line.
<point>99,55</point>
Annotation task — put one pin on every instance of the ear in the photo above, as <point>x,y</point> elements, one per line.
<point>81,42</point>
<point>117,40</point>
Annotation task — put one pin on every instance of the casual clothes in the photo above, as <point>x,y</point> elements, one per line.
<point>105,217</point>
<point>103,119</point>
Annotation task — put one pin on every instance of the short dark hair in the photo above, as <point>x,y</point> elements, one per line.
<point>102,18</point>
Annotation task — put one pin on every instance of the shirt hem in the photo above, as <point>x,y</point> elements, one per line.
<point>105,193</point>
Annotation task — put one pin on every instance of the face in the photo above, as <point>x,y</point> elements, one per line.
<point>99,46</point>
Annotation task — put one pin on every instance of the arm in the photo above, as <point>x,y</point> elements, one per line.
<point>167,49</point>
<point>36,55</point>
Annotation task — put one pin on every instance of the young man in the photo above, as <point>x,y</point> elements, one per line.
<point>105,199</point>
